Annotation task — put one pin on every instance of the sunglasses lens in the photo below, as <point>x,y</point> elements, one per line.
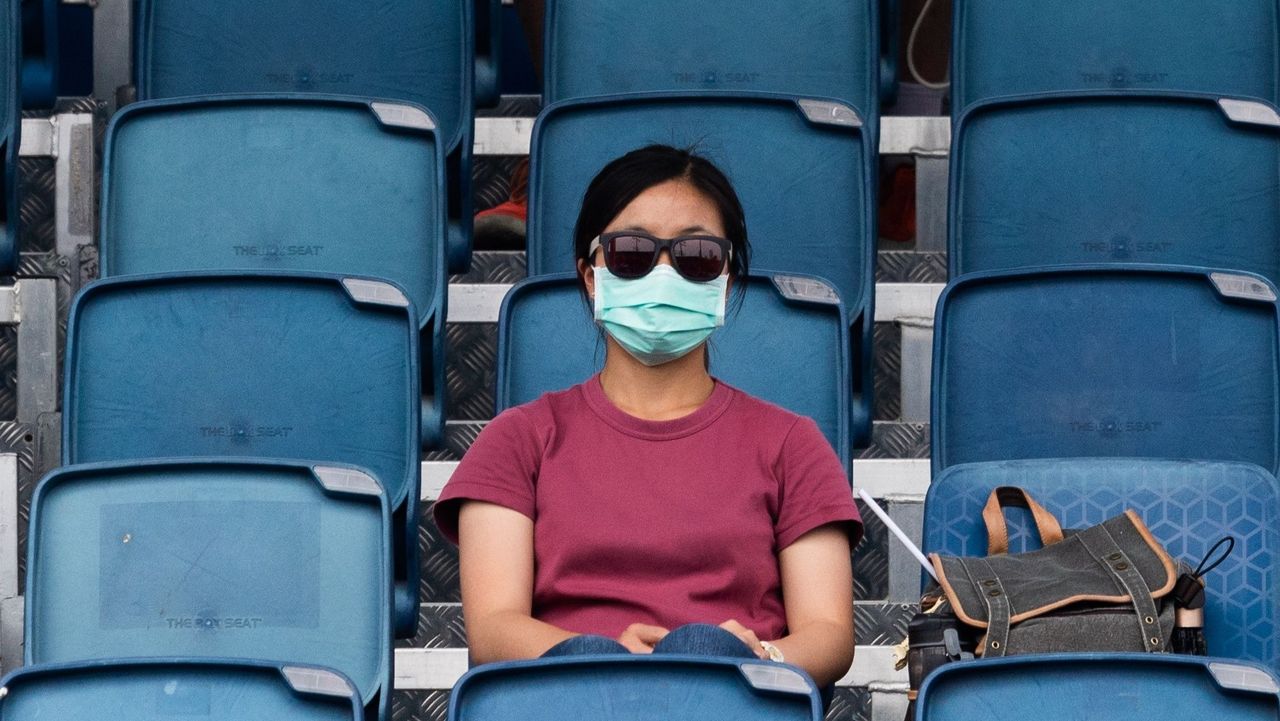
<point>629,256</point>
<point>698,259</point>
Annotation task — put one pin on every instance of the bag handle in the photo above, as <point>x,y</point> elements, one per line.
<point>997,529</point>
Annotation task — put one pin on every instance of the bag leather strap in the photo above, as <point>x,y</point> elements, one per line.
<point>1104,549</point>
<point>998,530</point>
<point>998,611</point>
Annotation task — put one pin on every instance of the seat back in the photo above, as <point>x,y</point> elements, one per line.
<point>163,690</point>
<point>279,184</point>
<point>672,688</point>
<point>10,131</point>
<point>1121,687</point>
<point>234,559</point>
<point>420,52</point>
<point>41,60</point>
<point>786,343</point>
<point>803,170</point>
<point>1106,361</point>
<point>1116,177</point>
<point>1188,507</point>
<point>813,48</point>
<point>1016,47</point>
<point>414,51</point>
<point>272,366</point>
<point>284,184</point>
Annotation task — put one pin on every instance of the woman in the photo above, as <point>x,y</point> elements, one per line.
<point>652,507</point>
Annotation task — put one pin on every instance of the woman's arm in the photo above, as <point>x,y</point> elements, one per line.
<point>817,591</point>
<point>495,551</point>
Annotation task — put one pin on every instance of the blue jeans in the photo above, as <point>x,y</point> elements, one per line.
<point>696,639</point>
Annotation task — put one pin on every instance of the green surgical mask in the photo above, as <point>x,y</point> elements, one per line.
<point>660,316</point>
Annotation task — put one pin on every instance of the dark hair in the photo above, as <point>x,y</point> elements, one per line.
<point>622,180</point>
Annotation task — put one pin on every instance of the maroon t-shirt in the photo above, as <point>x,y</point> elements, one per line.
<point>658,522</point>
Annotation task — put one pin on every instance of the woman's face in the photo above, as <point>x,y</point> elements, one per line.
<point>667,210</point>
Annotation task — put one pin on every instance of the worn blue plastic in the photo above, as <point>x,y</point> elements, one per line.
<point>813,48</point>
<point>1116,177</point>
<point>1116,687</point>
<point>1106,361</point>
<point>806,181</point>
<point>224,558</point>
<point>1015,47</point>
<point>1187,505</point>
<point>299,366</point>
<point>281,184</point>
<point>10,131</point>
<point>635,688</point>
<point>40,53</point>
<point>794,353</point>
<point>488,65</point>
<point>416,51</point>
<point>162,690</point>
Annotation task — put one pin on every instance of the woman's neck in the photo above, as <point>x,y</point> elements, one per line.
<point>656,393</point>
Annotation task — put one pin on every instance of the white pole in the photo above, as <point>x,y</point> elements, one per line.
<point>897,531</point>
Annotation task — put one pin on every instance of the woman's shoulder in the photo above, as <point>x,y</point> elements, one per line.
<point>546,408</point>
<point>759,410</point>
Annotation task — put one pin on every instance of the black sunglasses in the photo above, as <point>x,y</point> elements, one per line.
<point>632,254</point>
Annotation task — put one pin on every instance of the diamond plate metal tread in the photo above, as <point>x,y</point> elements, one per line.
<point>850,704</point>
<point>909,266</point>
<point>871,559</point>
<point>419,705</point>
<point>440,625</point>
<point>471,369</point>
<point>439,563</point>
<point>513,106</point>
<point>491,180</point>
<point>494,266</point>
<point>882,624</point>
<point>894,439</point>
<point>887,371</point>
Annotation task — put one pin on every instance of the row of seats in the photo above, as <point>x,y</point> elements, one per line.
<point>1110,337</point>
<point>244,398</point>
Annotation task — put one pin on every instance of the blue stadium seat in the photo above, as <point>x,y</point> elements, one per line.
<point>10,133</point>
<point>200,184</point>
<point>40,66</point>
<point>1069,178</point>
<point>635,688</point>
<point>811,48</point>
<point>1015,47</point>
<point>1106,361</point>
<point>803,169</point>
<point>274,366</point>
<point>1187,505</point>
<point>146,690</point>
<point>488,22</point>
<point>234,559</point>
<point>1120,687</point>
<point>787,342</point>
<point>414,51</point>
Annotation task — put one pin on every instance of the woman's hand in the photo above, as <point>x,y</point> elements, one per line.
<point>747,636</point>
<point>641,637</point>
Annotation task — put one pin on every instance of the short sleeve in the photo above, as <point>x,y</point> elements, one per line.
<point>815,487</point>
<point>500,467</point>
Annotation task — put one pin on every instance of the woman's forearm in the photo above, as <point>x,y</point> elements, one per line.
<point>824,650</point>
<point>511,636</point>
